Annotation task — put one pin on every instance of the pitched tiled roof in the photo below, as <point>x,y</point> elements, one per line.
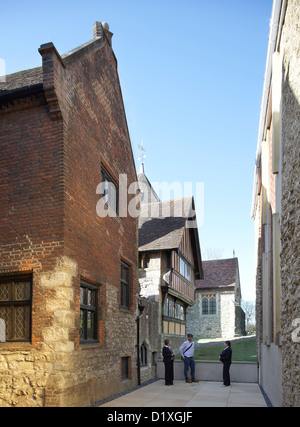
<point>218,273</point>
<point>21,80</point>
<point>161,225</point>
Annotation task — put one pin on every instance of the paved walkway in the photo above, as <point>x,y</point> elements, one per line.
<point>203,394</point>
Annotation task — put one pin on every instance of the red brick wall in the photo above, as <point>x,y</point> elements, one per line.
<point>96,133</point>
<point>31,192</point>
<point>50,167</point>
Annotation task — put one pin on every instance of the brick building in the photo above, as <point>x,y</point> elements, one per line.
<point>275,209</point>
<point>68,277</point>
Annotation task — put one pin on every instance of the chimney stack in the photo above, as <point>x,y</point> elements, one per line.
<point>100,30</point>
<point>97,30</point>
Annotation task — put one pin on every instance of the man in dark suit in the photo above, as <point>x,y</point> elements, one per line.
<point>225,358</point>
<point>169,362</point>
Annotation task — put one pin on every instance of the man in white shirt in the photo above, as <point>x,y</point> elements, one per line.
<point>187,353</point>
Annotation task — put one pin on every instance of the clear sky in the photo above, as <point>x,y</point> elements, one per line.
<point>192,75</point>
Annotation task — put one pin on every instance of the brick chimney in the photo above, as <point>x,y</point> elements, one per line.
<point>102,29</point>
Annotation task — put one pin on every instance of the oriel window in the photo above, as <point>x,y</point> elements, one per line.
<point>184,269</point>
<point>88,313</point>
<point>15,307</point>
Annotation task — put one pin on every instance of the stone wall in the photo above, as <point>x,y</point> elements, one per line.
<point>228,314</point>
<point>56,372</point>
<point>150,277</point>
<point>221,324</point>
<point>290,204</point>
<point>150,289</point>
<point>240,321</point>
<point>277,220</point>
<point>244,372</point>
<point>29,372</point>
<point>150,338</point>
<point>203,326</point>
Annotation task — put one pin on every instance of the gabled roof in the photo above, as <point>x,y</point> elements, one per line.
<point>220,273</point>
<point>162,226</point>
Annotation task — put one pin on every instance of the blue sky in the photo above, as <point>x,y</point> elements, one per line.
<point>192,76</point>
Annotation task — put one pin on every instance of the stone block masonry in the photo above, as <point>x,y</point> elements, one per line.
<point>276,210</point>
<point>290,204</point>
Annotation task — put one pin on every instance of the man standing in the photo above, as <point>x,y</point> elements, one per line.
<point>187,353</point>
<point>169,362</point>
<point>225,358</point>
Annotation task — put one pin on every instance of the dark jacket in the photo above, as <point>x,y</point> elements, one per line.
<point>167,354</point>
<point>226,356</point>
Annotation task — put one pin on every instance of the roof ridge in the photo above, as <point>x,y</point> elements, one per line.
<point>23,71</point>
<point>220,259</point>
<point>168,201</point>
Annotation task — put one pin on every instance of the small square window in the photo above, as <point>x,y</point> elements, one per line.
<point>15,308</point>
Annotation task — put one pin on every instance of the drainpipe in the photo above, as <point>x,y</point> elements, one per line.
<point>141,309</point>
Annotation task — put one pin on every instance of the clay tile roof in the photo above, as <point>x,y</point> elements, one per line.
<point>161,225</point>
<point>21,80</point>
<point>218,273</point>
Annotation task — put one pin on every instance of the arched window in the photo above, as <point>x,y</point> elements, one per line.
<point>209,305</point>
<point>213,305</point>
<point>204,305</point>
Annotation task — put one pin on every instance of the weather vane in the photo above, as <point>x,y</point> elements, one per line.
<point>142,156</point>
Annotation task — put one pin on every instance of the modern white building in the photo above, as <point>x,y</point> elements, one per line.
<point>276,210</point>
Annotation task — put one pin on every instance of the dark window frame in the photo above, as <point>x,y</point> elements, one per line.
<point>106,177</point>
<point>175,310</point>
<point>88,312</point>
<point>144,355</point>
<point>125,286</point>
<point>125,368</point>
<point>14,302</point>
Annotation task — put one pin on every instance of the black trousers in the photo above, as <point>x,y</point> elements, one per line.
<point>169,372</point>
<point>226,374</point>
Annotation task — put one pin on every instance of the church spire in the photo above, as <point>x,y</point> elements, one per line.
<point>142,170</point>
<point>142,157</point>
